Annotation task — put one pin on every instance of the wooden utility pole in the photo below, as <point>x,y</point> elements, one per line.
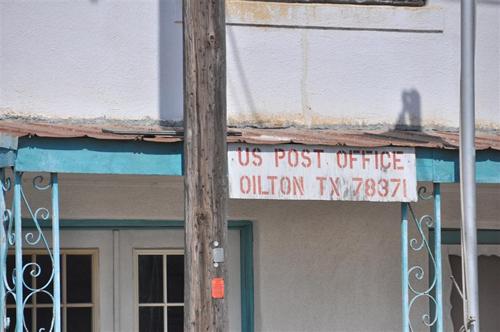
<point>205,161</point>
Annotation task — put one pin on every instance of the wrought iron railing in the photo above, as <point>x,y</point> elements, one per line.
<point>12,238</point>
<point>417,285</point>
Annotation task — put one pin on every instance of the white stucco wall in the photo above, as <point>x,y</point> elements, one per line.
<point>305,64</point>
<point>319,266</point>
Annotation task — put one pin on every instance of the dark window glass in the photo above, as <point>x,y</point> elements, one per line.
<point>175,319</point>
<point>79,278</point>
<point>45,264</point>
<point>175,278</point>
<point>489,292</point>
<point>11,313</point>
<point>150,279</point>
<point>11,263</point>
<point>151,319</point>
<point>43,319</point>
<point>79,319</point>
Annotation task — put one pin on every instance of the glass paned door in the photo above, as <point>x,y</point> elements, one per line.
<point>160,290</point>
<point>78,301</point>
<point>151,279</point>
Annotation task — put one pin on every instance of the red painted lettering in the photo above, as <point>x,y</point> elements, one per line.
<point>293,158</point>
<point>278,155</point>
<point>335,186</point>
<point>370,187</point>
<point>259,185</point>
<point>352,158</point>
<point>358,187</point>
<point>383,165</point>
<point>383,187</point>
<point>245,184</point>
<point>257,159</point>
<point>398,184</point>
<point>341,159</point>
<point>318,156</point>
<point>396,161</point>
<point>364,158</point>
<point>240,157</point>
<point>307,160</point>
<point>272,180</point>
<point>321,180</point>
<point>285,185</point>
<point>298,185</point>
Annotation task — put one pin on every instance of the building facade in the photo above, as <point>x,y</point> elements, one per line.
<point>299,74</point>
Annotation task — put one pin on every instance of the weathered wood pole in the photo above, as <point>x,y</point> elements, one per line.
<point>205,161</point>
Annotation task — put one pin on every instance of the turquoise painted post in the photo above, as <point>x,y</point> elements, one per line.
<point>404,268</point>
<point>19,253</point>
<point>437,256</point>
<point>3,251</point>
<point>56,252</point>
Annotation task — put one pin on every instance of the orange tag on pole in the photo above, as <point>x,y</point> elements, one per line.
<point>218,288</point>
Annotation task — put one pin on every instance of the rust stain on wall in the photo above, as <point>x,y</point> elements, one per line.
<point>262,12</point>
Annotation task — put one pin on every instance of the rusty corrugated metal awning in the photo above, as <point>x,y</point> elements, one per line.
<point>58,130</point>
<point>329,137</point>
<point>363,138</point>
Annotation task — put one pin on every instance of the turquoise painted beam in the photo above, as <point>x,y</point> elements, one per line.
<point>92,156</point>
<point>7,157</point>
<point>442,166</point>
<point>88,155</point>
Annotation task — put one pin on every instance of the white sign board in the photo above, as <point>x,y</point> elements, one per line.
<point>299,172</point>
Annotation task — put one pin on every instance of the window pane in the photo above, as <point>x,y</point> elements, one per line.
<point>43,319</point>
<point>45,264</point>
<point>79,319</point>
<point>151,319</point>
<point>11,263</point>
<point>79,278</point>
<point>175,278</point>
<point>11,313</point>
<point>175,319</point>
<point>150,279</point>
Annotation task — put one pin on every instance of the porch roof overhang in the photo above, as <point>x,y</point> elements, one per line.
<point>82,148</point>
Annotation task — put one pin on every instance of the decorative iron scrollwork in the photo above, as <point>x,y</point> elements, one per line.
<point>416,273</point>
<point>7,239</point>
<point>20,288</point>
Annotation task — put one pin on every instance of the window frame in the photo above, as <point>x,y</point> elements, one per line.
<point>94,304</point>
<point>165,304</point>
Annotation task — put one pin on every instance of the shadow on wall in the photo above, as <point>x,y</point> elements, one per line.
<point>170,69</point>
<point>243,79</point>
<point>410,117</point>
